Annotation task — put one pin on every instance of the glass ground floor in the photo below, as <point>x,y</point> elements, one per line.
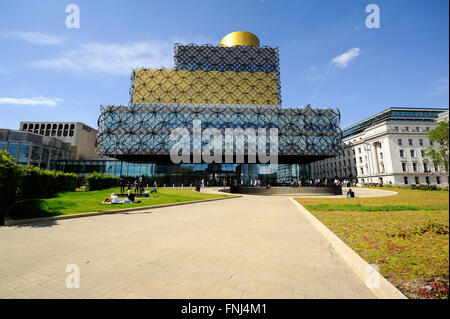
<point>187,174</point>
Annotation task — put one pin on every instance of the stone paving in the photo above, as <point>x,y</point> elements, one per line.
<point>248,247</point>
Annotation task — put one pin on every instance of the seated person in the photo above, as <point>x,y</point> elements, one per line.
<point>131,198</point>
<point>154,190</point>
<point>114,199</point>
<point>350,194</point>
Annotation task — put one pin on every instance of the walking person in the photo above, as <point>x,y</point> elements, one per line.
<point>141,184</point>
<point>122,184</point>
<point>136,186</point>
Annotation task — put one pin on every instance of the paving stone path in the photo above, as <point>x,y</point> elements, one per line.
<point>248,247</point>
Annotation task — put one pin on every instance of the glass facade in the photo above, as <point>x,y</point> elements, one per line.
<point>36,155</point>
<point>27,148</point>
<point>44,157</point>
<point>24,153</point>
<point>187,174</point>
<point>13,148</point>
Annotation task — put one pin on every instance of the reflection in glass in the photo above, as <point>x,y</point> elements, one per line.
<point>24,153</point>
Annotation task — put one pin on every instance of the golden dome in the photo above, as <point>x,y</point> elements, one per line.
<point>240,38</point>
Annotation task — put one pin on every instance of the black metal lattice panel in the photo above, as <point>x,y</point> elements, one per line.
<point>144,129</point>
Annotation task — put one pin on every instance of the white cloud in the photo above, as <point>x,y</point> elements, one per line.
<point>111,58</point>
<point>30,101</point>
<point>33,37</point>
<point>344,59</point>
<point>440,87</point>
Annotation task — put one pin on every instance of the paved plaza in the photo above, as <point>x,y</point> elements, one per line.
<point>247,247</point>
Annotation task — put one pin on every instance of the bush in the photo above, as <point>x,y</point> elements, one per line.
<point>98,181</point>
<point>19,182</point>
<point>8,182</point>
<point>35,182</point>
<point>428,187</point>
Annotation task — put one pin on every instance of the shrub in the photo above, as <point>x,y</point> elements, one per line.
<point>428,187</point>
<point>8,181</point>
<point>35,182</point>
<point>97,181</point>
<point>24,182</point>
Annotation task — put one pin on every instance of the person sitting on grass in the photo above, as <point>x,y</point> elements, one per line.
<point>130,198</point>
<point>350,194</point>
<point>114,199</point>
<point>152,191</point>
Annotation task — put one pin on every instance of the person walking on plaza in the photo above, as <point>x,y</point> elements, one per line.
<point>136,186</point>
<point>122,184</point>
<point>141,184</point>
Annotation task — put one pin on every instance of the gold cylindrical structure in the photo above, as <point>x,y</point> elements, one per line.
<point>240,38</point>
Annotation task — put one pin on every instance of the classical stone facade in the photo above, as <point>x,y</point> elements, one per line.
<point>388,147</point>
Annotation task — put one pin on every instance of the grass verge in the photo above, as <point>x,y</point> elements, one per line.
<point>406,235</point>
<point>85,202</point>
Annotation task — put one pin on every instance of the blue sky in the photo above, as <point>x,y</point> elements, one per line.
<point>328,57</point>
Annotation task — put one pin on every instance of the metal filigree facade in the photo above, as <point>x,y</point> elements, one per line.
<point>241,75</point>
<point>205,87</point>
<point>143,130</point>
<point>223,87</point>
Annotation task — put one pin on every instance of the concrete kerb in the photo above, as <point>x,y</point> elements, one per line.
<point>12,222</point>
<point>385,289</point>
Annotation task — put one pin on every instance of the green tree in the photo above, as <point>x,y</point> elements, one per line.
<point>439,154</point>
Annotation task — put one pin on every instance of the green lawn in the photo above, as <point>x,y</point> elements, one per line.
<point>84,202</point>
<point>406,235</point>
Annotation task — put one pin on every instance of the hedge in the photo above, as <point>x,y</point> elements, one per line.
<point>8,181</point>
<point>35,182</point>
<point>19,182</point>
<point>98,181</point>
<point>429,187</point>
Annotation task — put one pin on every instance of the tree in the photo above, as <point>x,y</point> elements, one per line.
<point>439,154</point>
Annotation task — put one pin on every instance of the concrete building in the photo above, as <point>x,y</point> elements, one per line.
<point>33,149</point>
<point>81,136</point>
<point>443,116</point>
<point>388,147</point>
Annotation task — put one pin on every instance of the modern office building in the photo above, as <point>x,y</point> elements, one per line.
<point>33,149</point>
<point>79,135</point>
<point>234,86</point>
<point>388,147</point>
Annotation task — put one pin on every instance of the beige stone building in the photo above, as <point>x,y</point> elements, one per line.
<point>388,147</point>
<point>80,136</point>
